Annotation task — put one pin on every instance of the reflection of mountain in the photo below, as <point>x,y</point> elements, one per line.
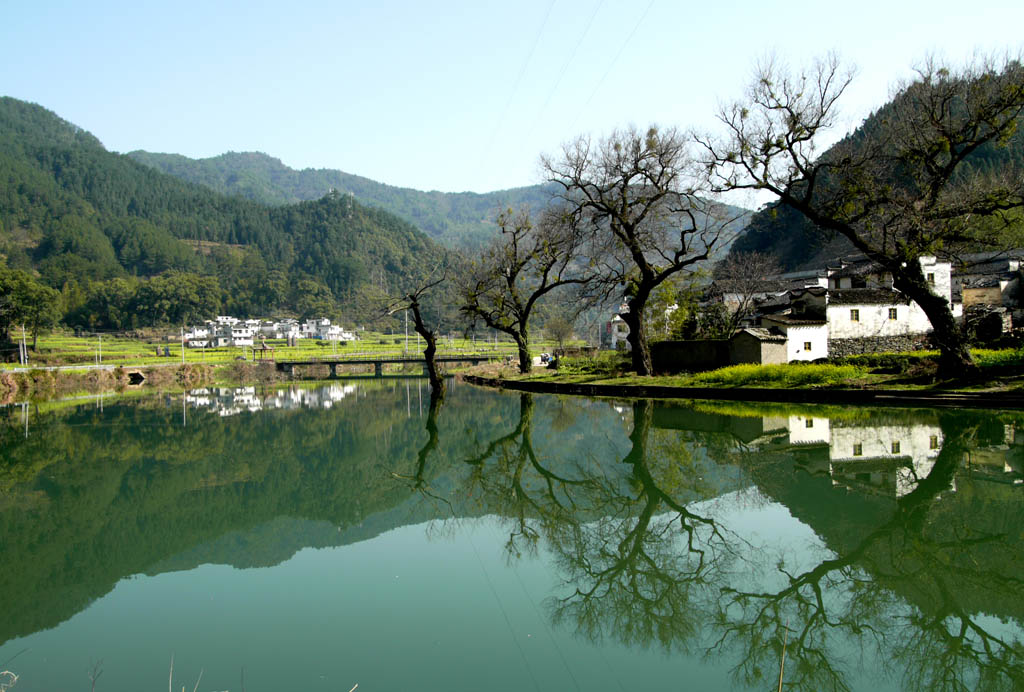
<point>78,513</point>
<point>93,496</point>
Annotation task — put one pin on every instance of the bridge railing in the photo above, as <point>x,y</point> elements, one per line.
<point>371,357</point>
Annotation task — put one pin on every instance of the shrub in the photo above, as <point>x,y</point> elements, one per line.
<point>890,362</point>
<point>791,375</point>
<point>604,363</point>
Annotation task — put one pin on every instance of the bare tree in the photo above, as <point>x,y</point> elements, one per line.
<point>559,329</point>
<point>525,263</point>
<point>740,278</point>
<point>630,193</point>
<point>413,301</point>
<point>899,189</point>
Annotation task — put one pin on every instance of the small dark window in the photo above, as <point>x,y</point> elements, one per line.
<point>893,313</point>
<point>807,345</point>
<point>858,450</point>
<point>931,278</point>
<point>855,315</point>
<point>896,447</point>
<point>809,423</point>
<point>933,442</point>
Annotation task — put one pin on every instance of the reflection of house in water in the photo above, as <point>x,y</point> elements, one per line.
<point>887,458</point>
<point>228,401</point>
<point>890,459</point>
<point>882,456</point>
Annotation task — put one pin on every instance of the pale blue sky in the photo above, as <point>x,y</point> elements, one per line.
<point>445,95</point>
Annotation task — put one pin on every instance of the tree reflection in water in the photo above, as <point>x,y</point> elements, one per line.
<point>645,561</point>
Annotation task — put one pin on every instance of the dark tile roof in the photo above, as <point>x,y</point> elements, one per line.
<point>791,321</point>
<point>761,334</point>
<point>867,296</point>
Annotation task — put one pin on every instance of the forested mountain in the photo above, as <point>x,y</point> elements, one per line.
<point>456,219</point>
<point>799,244</point>
<point>130,246</point>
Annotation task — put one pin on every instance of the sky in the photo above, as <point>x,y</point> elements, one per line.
<point>452,96</point>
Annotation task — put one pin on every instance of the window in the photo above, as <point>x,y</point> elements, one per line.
<point>858,450</point>
<point>933,442</point>
<point>809,423</point>
<point>855,315</point>
<point>896,447</point>
<point>893,313</point>
<point>931,278</point>
<point>807,345</point>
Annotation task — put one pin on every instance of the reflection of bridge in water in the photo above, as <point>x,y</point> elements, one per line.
<point>379,361</point>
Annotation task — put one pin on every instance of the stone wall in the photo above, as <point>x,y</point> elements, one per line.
<point>840,348</point>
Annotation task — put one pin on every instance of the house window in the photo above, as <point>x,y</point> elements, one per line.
<point>931,279</point>
<point>855,315</point>
<point>807,345</point>
<point>858,450</point>
<point>892,313</point>
<point>896,447</point>
<point>809,423</point>
<point>933,442</point>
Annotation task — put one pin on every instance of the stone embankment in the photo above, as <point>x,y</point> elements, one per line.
<point>863,397</point>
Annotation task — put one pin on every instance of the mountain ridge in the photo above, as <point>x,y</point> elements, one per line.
<point>80,217</point>
<point>456,219</point>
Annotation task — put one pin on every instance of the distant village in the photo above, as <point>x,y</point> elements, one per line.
<point>846,308</point>
<point>231,331</point>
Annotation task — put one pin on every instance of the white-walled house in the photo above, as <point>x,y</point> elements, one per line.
<point>323,329</point>
<point>615,333</point>
<point>806,339</point>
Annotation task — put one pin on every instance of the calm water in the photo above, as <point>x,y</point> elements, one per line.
<point>319,538</point>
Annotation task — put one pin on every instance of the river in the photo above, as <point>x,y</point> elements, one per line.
<point>322,537</point>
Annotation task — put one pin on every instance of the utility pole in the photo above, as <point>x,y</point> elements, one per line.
<point>182,345</point>
<point>99,350</point>
<point>406,351</point>
<point>23,348</point>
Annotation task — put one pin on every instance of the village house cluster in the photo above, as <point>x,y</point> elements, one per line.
<point>231,331</point>
<point>847,308</point>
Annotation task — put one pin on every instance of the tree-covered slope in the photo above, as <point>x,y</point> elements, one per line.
<point>457,219</point>
<point>78,215</point>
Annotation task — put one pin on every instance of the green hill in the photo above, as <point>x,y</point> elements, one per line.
<point>80,217</point>
<point>456,219</point>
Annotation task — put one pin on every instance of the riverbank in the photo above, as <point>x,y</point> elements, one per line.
<point>864,397</point>
<point>44,384</point>
<point>64,381</point>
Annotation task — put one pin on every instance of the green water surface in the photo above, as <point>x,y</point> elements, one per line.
<point>318,538</point>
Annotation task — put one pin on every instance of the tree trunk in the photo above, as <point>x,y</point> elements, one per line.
<point>525,362</point>
<point>955,359</point>
<point>437,389</point>
<point>637,337</point>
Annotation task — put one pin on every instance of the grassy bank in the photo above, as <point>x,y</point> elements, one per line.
<point>1000,370</point>
<point>63,349</point>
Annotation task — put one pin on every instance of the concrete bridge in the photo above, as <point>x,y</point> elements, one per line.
<point>378,361</point>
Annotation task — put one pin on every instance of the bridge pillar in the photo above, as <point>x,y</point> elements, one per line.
<point>378,369</point>
<point>334,370</point>
<point>426,370</point>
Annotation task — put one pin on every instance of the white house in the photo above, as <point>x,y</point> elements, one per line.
<point>615,332</point>
<point>806,339</point>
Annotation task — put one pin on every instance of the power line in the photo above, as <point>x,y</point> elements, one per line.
<point>614,60</point>
<point>515,87</point>
<point>565,67</point>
